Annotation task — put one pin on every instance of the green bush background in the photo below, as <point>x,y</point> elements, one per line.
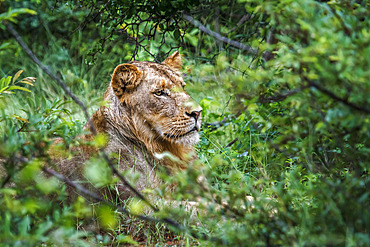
<point>292,130</point>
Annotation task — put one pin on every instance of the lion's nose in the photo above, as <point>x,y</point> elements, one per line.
<point>194,114</point>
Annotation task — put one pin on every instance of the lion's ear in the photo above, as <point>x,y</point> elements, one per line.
<point>125,77</point>
<point>173,61</point>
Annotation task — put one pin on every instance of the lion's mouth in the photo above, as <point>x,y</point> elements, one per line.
<point>178,136</point>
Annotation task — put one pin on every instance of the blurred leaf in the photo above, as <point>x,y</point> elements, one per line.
<point>15,77</point>
<point>136,206</point>
<point>101,140</point>
<point>98,173</point>
<point>19,88</point>
<point>107,217</point>
<point>11,14</point>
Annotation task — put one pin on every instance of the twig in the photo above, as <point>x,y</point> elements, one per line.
<point>215,125</point>
<point>333,96</point>
<point>232,142</point>
<point>280,96</point>
<point>125,182</point>
<point>98,198</point>
<point>347,30</point>
<point>10,175</point>
<point>244,18</point>
<point>219,36</point>
<point>270,39</point>
<point>78,187</point>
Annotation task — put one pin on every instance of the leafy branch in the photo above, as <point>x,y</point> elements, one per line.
<point>8,85</point>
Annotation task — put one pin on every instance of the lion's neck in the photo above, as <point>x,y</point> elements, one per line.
<point>126,129</point>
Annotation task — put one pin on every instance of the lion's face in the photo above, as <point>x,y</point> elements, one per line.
<point>156,92</point>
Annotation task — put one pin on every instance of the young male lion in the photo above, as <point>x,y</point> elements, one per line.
<point>148,113</point>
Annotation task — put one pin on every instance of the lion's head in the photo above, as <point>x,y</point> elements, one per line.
<point>153,95</point>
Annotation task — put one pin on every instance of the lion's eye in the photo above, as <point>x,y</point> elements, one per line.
<point>160,93</point>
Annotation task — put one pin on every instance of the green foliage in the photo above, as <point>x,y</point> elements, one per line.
<point>292,131</point>
<point>137,19</point>
<point>29,216</point>
<point>8,85</point>
<point>11,14</point>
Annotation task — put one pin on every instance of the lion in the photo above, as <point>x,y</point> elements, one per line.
<point>148,113</point>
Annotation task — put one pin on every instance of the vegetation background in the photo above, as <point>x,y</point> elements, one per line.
<point>285,88</point>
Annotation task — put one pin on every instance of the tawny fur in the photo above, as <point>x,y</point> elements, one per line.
<point>148,113</point>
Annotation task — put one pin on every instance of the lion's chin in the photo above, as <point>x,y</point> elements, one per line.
<point>188,139</point>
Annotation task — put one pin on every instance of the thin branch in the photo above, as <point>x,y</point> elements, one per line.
<point>280,96</point>
<point>171,222</point>
<point>335,97</point>
<point>194,233</point>
<point>48,72</point>
<point>125,182</point>
<point>10,175</point>
<point>70,183</point>
<point>232,142</point>
<point>270,39</point>
<point>98,198</point>
<point>347,30</point>
<point>6,180</point>
<point>219,36</point>
<point>214,125</point>
<point>244,18</point>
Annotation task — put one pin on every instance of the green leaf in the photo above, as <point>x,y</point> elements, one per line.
<point>17,75</point>
<point>107,217</point>
<point>5,82</point>
<point>136,206</point>
<point>12,13</point>
<point>18,88</point>
<point>98,172</point>
<point>5,45</point>
<point>101,140</point>
<point>176,34</point>
<point>26,82</point>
